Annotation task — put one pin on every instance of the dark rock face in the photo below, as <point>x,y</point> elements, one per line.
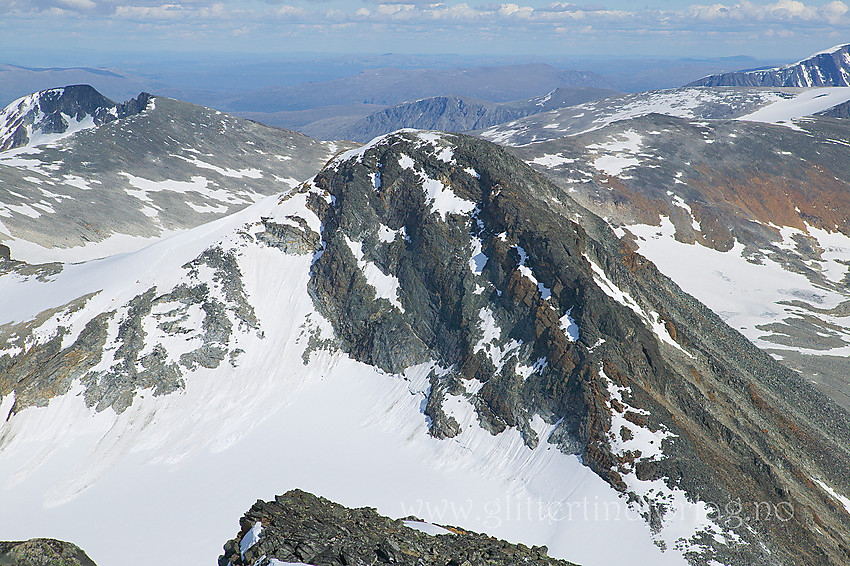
<point>47,112</point>
<point>829,68</point>
<point>737,419</point>
<point>42,552</point>
<point>300,527</point>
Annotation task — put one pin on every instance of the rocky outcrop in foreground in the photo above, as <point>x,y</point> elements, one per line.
<point>42,552</point>
<point>300,527</point>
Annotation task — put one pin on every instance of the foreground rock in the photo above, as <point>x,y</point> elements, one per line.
<point>300,527</point>
<point>42,552</point>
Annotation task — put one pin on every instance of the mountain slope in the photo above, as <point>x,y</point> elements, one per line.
<point>747,217</point>
<point>169,167</point>
<point>827,68</point>
<point>693,103</point>
<point>444,324</point>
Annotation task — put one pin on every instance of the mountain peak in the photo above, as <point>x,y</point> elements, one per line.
<point>52,114</point>
<point>830,67</point>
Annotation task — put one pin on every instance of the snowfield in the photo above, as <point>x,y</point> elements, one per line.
<point>806,103</point>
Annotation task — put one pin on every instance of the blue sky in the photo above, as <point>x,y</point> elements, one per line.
<point>783,29</point>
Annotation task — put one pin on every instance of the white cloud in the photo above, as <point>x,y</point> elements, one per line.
<point>288,11</point>
<point>780,11</point>
<point>77,4</point>
<point>415,23</point>
<point>162,12</point>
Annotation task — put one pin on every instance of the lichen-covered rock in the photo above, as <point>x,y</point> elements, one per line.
<point>300,527</point>
<point>42,552</point>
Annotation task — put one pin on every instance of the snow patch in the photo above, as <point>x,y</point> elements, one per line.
<point>652,318</point>
<point>386,286</point>
<point>251,538</point>
<point>569,326</point>
<point>427,528</point>
<point>783,112</point>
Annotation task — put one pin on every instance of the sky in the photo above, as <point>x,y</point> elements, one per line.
<point>83,30</point>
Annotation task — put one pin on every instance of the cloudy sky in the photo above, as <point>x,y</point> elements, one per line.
<point>784,29</point>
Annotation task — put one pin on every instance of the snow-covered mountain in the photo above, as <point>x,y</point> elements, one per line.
<point>826,68</point>
<point>149,167</point>
<point>429,327</point>
<point>51,115</point>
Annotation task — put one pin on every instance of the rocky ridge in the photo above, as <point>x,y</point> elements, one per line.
<point>668,352</point>
<point>827,68</point>
<point>300,527</point>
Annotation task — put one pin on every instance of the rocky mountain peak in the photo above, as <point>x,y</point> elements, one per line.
<point>50,114</point>
<point>535,312</point>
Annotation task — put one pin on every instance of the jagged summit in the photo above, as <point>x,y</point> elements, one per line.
<point>826,68</point>
<point>49,115</point>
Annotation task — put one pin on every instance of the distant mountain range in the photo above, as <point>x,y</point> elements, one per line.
<point>327,108</point>
<point>17,81</point>
<point>456,114</point>
<point>827,68</point>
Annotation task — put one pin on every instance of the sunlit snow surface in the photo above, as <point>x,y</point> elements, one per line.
<point>691,102</point>
<point>746,294</point>
<point>181,469</point>
<point>804,104</point>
